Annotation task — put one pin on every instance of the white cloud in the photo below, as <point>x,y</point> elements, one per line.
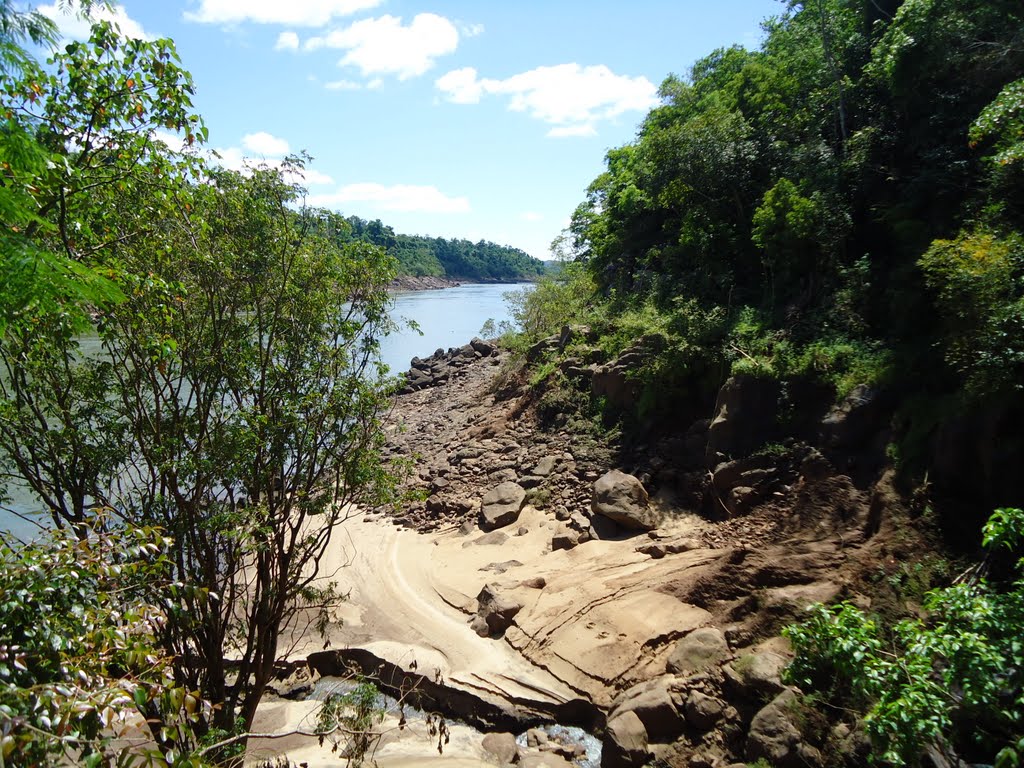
<point>531,216</point>
<point>471,30</point>
<point>301,13</point>
<point>287,41</point>
<point>461,86</point>
<point>72,25</point>
<point>383,46</point>
<point>262,143</point>
<point>580,129</point>
<point>342,85</point>
<point>568,96</point>
<point>398,197</point>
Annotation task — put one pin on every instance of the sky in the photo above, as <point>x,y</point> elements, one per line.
<point>477,120</point>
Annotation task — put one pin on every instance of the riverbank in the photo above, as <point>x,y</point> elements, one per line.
<point>507,588</point>
<point>421,283</point>
<point>431,283</point>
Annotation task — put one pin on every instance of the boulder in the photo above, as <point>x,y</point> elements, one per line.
<point>502,747</point>
<point>702,711</point>
<point>653,703</point>
<point>757,676</point>
<point>622,498</point>
<point>775,737</point>
<point>699,650</point>
<point>862,414</point>
<point>501,505</point>
<point>485,348</point>
<point>625,742</point>
<point>495,611</point>
<point>745,415</point>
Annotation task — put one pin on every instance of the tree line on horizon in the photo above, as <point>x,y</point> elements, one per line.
<point>455,258</point>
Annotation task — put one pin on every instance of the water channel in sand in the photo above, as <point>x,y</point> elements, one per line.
<point>446,318</point>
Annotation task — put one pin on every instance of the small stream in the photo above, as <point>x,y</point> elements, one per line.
<point>328,686</point>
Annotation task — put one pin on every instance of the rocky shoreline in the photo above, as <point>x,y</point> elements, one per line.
<point>421,283</point>
<point>538,575</point>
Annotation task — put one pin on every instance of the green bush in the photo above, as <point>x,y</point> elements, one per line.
<point>954,679</point>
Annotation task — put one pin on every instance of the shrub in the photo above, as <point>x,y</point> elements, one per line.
<point>954,679</point>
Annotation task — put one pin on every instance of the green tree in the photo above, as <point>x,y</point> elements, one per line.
<point>235,398</point>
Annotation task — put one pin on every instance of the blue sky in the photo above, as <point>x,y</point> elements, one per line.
<point>457,119</point>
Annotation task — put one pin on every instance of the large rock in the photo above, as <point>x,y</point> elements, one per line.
<point>775,737</point>
<point>622,498</point>
<point>757,676</point>
<point>862,414</point>
<point>745,415</point>
<point>502,747</point>
<point>625,742</point>
<point>699,650</point>
<point>702,711</point>
<point>501,505</point>
<point>495,611</point>
<point>653,703</point>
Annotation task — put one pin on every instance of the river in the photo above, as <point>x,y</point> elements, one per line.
<point>447,318</point>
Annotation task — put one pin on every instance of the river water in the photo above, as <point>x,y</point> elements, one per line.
<point>446,318</point>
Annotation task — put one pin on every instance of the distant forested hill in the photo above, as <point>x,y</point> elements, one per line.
<point>461,259</point>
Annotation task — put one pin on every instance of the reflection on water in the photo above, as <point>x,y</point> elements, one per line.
<point>446,318</point>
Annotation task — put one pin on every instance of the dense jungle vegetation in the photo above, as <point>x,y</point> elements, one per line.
<point>839,209</point>
<point>842,206</point>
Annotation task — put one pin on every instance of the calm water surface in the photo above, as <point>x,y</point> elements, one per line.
<point>446,318</point>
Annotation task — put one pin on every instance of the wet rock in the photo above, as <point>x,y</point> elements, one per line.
<point>702,648</point>
<point>501,505</point>
<point>545,760</point>
<point>502,747</point>
<point>625,742</point>
<point>535,737</point>
<point>622,498</point>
